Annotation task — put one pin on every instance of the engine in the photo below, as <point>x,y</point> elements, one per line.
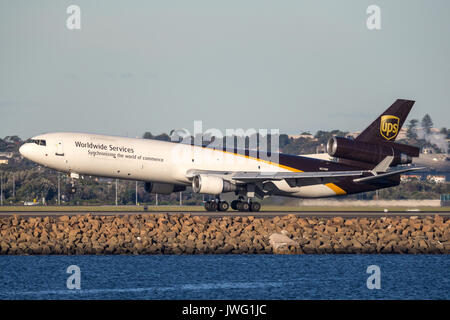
<point>371,153</point>
<point>163,188</point>
<point>211,184</point>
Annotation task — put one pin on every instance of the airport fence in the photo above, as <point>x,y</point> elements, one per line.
<point>445,200</point>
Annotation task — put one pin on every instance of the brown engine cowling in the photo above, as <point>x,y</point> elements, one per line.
<point>370,153</point>
<point>163,188</point>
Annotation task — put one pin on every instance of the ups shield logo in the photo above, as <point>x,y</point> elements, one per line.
<point>389,127</point>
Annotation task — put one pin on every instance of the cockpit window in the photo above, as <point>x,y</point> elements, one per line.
<point>38,142</point>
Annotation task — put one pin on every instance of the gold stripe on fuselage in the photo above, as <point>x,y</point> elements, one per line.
<point>336,189</point>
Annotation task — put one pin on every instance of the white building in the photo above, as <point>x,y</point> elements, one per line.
<point>436,179</point>
<point>409,177</point>
<point>305,136</point>
<point>8,155</point>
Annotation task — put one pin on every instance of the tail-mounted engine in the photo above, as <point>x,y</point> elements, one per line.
<point>371,153</point>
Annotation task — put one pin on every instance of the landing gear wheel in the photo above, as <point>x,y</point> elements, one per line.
<point>207,206</point>
<point>243,206</point>
<point>255,206</point>
<point>213,206</point>
<point>223,206</point>
<point>234,204</point>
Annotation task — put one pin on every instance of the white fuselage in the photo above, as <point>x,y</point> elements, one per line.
<point>148,160</point>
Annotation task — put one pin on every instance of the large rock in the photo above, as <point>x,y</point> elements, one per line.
<point>279,240</point>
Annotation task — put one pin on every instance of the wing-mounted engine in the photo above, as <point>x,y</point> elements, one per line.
<point>372,153</point>
<point>211,184</point>
<point>163,188</point>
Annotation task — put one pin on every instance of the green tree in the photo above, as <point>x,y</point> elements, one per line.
<point>324,136</point>
<point>162,137</point>
<point>427,123</point>
<point>284,140</point>
<point>147,135</point>
<point>13,139</point>
<point>412,129</point>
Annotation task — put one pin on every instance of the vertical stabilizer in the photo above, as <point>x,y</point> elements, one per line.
<point>387,126</point>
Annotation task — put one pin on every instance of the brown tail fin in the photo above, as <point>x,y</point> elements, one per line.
<point>387,126</point>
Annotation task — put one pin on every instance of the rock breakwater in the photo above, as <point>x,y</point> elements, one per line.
<point>187,234</point>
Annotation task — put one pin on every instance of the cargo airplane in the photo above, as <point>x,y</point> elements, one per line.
<point>369,162</point>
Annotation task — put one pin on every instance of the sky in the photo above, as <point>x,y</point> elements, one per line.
<point>137,66</point>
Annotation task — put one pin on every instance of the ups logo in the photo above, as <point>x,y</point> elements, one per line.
<point>389,127</point>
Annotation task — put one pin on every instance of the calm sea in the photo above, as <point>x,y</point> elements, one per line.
<point>226,277</point>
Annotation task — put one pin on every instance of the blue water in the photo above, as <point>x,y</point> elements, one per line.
<point>226,277</point>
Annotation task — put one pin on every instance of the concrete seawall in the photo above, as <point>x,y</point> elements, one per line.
<point>186,234</point>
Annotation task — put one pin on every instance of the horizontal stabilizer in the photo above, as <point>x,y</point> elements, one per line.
<point>377,177</point>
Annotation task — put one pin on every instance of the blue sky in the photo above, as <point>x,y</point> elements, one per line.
<point>139,66</point>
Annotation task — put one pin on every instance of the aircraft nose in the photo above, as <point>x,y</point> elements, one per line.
<point>25,150</point>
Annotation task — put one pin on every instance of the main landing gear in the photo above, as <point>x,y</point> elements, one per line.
<point>239,205</point>
<point>216,205</point>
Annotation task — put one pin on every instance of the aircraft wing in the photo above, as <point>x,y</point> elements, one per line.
<point>295,179</point>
